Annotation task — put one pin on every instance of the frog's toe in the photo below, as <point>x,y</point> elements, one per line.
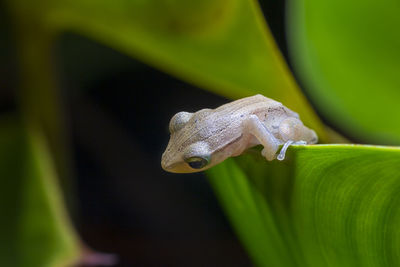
<point>282,153</point>
<point>269,155</point>
<point>263,152</point>
<point>285,146</point>
<point>301,142</point>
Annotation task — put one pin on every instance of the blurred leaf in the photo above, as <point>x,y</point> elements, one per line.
<point>34,229</point>
<point>326,205</point>
<point>348,54</point>
<point>222,45</point>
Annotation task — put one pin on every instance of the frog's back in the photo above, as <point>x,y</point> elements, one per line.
<point>223,125</point>
<point>257,104</point>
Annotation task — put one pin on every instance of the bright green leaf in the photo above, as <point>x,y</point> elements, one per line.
<point>34,229</point>
<point>326,205</point>
<point>348,54</point>
<point>221,45</point>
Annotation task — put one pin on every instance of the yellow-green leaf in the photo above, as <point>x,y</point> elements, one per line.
<point>221,45</point>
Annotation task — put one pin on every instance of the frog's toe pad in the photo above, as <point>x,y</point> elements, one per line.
<point>282,153</point>
<point>263,152</point>
<point>268,155</point>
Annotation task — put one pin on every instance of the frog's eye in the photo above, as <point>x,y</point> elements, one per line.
<point>197,162</point>
<point>179,120</point>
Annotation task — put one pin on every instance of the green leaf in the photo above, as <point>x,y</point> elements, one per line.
<point>325,205</point>
<point>347,53</point>
<point>220,45</point>
<point>34,229</point>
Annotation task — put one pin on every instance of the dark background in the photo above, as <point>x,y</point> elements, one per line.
<point>117,112</point>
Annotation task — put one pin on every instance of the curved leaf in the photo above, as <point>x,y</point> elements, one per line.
<point>221,45</point>
<point>34,229</point>
<point>326,205</point>
<point>348,54</point>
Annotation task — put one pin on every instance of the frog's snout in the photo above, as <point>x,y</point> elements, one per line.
<point>169,162</point>
<point>165,164</point>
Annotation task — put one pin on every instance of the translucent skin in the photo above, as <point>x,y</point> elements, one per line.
<point>211,136</point>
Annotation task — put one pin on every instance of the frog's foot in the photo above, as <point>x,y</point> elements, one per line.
<point>265,137</point>
<point>282,153</point>
<point>268,154</point>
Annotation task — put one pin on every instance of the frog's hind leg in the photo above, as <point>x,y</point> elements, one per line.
<point>271,145</point>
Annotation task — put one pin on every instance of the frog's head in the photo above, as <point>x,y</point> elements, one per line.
<point>186,151</point>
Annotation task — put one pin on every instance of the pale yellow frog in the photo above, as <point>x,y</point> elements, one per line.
<point>205,138</point>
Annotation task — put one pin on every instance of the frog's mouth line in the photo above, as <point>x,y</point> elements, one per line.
<point>170,168</point>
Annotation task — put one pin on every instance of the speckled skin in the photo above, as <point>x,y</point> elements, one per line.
<point>216,134</point>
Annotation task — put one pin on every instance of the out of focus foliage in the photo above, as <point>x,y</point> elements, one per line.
<point>326,205</point>
<point>347,54</point>
<point>34,227</point>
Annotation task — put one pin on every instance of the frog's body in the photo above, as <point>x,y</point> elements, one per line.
<point>203,139</point>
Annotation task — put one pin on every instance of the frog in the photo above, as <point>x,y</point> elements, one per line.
<point>200,140</point>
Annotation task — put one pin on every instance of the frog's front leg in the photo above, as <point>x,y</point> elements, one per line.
<point>271,145</point>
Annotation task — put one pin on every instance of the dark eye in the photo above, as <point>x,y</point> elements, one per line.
<point>197,162</point>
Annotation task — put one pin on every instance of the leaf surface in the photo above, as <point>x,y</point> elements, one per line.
<point>326,205</point>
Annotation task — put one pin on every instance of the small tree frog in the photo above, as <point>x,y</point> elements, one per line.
<point>205,138</point>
